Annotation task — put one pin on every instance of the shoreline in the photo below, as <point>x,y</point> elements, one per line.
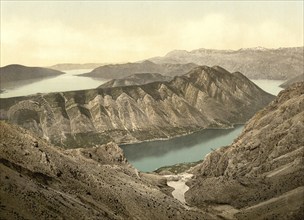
<point>180,135</point>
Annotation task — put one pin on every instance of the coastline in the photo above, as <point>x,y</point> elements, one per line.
<point>180,135</point>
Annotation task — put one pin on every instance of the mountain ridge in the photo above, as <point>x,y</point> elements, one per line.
<point>118,71</point>
<point>262,169</point>
<point>136,79</point>
<point>295,79</point>
<point>277,64</point>
<point>203,98</point>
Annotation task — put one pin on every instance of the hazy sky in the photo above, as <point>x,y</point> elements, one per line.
<point>42,33</point>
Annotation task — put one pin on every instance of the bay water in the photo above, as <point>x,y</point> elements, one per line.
<point>146,156</point>
<point>66,82</point>
<point>149,156</point>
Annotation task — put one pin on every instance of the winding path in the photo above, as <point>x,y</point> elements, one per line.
<point>178,182</point>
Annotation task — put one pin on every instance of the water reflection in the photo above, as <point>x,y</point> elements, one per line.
<point>149,156</point>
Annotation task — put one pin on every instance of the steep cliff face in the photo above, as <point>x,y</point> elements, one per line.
<point>205,97</point>
<point>39,181</point>
<point>118,71</point>
<point>136,79</point>
<point>261,173</point>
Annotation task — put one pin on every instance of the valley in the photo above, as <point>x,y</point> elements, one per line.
<point>203,98</point>
<point>100,183</point>
<point>152,110</point>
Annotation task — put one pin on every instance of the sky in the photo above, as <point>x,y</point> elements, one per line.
<point>44,33</point>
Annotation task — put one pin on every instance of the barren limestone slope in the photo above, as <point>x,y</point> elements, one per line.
<point>261,173</point>
<point>39,181</point>
<point>203,98</point>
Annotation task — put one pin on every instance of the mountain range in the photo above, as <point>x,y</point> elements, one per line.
<point>259,176</point>
<point>255,63</point>
<point>205,97</point>
<point>136,79</point>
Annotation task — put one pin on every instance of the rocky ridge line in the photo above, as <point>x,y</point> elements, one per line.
<point>203,98</point>
<point>263,169</point>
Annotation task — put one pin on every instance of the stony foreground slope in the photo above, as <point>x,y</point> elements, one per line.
<point>262,172</point>
<point>203,98</point>
<point>39,181</point>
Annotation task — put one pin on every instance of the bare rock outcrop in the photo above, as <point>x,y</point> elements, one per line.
<point>263,169</point>
<point>40,181</point>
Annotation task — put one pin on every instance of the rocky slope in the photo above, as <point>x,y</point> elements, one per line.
<point>39,181</point>
<point>118,71</point>
<point>136,79</point>
<point>259,176</point>
<point>14,73</point>
<point>299,78</point>
<point>203,98</point>
<point>255,63</point>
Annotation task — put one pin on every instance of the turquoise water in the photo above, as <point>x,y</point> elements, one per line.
<point>65,82</point>
<point>149,156</point>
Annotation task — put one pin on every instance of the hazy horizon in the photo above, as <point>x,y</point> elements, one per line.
<point>47,33</point>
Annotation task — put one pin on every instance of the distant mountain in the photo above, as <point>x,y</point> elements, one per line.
<point>295,79</point>
<point>205,97</point>
<point>118,71</point>
<point>136,79</point>
<point>74,66</point>
<point>255,63</point>
<point>260,175</point>
<point>15,73</point>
